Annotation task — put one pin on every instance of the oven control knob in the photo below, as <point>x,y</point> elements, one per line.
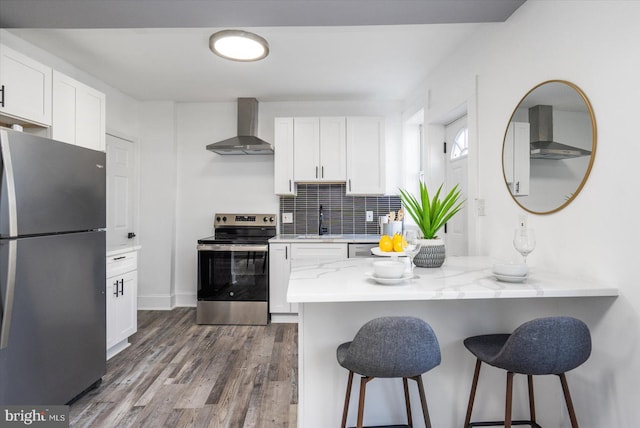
<point>218,218</point>
<point>271,219</point>
<point>266,219</point>
<point>224,218</point>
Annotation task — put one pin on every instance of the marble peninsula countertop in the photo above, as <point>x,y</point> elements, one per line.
<point>459,278</point>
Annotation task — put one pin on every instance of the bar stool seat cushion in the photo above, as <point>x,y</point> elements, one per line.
<point>552,345</point>
<point>389,347</point>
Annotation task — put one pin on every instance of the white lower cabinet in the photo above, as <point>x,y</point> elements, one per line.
<point>122,301</point>
<point>282,255</point>
<point>279,268</point>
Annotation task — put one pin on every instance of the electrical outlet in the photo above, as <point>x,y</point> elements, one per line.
<point>287,217</point>
<point>369,215</point>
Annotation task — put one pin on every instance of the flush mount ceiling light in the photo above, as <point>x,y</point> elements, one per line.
<point>238,45</point>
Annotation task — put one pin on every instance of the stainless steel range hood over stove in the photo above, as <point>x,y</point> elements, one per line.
<point>246,143</point>
<point>541,137</point>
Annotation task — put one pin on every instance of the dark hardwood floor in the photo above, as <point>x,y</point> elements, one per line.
<point>180,374</point>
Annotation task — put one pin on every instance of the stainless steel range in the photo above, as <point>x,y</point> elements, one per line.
<point>233,270</point>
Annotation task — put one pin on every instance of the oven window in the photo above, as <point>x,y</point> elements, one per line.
<point>233,275</point>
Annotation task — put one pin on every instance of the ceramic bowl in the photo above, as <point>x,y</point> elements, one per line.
<point>388,269</point>
<point>511,269</point>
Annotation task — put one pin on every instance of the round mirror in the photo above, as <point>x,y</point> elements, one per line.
<point>549,147</point>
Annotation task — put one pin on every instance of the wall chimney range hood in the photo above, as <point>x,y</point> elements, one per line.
<point>246,142</point>
<point>541,137</point>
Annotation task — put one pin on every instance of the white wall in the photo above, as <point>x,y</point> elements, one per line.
<point>158,166</point>
<point>590,44</point>
<point>208,183</point>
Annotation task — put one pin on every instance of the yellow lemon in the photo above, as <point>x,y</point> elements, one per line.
<point>386,244</point>
<point>397,243</point>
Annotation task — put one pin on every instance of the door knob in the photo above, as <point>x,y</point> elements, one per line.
<point>131,235</point>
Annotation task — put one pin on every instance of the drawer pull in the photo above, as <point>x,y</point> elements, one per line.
<point>119,258</point>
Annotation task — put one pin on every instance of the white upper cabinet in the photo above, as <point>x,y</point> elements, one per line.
<point>319,149</point>
<point>516,155</point>
<point>283,156</point>
<point>78,113</point>
<point>26,88</point>
<point>365,156</point>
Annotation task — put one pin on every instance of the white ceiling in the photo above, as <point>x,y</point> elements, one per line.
<point>319,49</point>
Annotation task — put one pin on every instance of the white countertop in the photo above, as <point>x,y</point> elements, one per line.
<point>346,238</point>
<point>458,278</point>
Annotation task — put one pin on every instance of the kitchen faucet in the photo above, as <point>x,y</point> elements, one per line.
<point>320,217</point>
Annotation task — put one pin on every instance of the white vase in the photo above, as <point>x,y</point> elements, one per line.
<point>431,254</point>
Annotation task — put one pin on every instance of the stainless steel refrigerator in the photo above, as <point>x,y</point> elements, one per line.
<point>52,269</point>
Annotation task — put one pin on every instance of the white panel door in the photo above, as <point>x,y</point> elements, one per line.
<point>457,236</point>
<point>121,187</point>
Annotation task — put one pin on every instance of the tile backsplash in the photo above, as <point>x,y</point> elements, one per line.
<point>341,214</point>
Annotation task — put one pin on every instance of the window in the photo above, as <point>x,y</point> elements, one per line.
<point>460,147</point>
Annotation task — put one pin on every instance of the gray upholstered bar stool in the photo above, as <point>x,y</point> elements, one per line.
<point>390,347</point>
<point>542,346</point>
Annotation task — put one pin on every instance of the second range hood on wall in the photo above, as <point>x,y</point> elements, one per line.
<point>246,142</point>
<point>541,133</point>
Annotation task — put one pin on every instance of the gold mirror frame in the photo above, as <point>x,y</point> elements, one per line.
<point>589,108</point>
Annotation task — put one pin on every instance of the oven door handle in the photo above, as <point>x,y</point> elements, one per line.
<point>233,248</point>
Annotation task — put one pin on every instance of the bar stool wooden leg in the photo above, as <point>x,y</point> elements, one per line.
<point>532,404</point>
<point>407,401</point>
<point>347,398</point>
<point>423,401</point>
<point>507,408</point>
<point>363,387</point>
<point>567,398</point>
<point>472,394</point>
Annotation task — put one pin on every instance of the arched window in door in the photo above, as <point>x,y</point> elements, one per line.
<point>460,144</point>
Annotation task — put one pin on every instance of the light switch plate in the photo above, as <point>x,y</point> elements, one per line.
<point>287,217</point>
<point>369,215</point>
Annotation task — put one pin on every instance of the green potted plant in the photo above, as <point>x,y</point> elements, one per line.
<point>430,214</point>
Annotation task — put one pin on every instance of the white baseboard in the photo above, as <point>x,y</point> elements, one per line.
<point>186,300</point>
<point>162,302</point>
<point>284,318</point>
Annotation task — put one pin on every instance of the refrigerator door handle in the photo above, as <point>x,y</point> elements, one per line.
<point>7,308</point>
<point>7,301</point>
<point>11,185</point>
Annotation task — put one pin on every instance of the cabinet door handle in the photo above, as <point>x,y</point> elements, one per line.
<point>517,187</point>
<point>349,184</point>
<point>122,287</point>
<point>116,293</point>
<point>286,253</point>
<point>322,172</point>
<point>316,172</point>
<point>2,99</point>
<point>289,185</point>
